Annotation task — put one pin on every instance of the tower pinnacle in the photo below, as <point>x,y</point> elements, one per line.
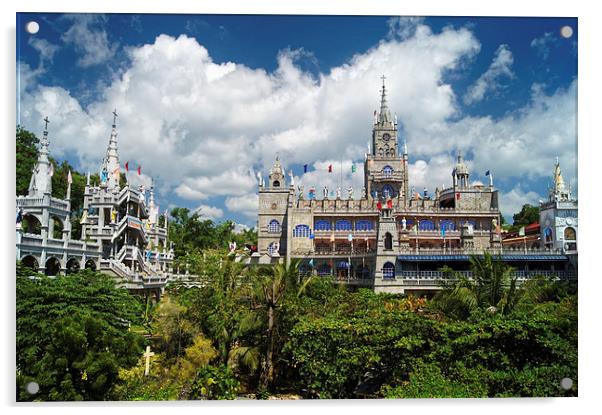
<point>110,166</point>
<point>385,114</point>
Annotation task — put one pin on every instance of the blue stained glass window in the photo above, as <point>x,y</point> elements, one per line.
<point>301,231</point>
<point>388,191</point>
<point>322,225</point>
<point>389,270</point>
<point>274,226</point>
<point>364,225</point>
<point>448,225</point>
<point>387,171</point>
<point>342,225</point>
<point>426,225</point>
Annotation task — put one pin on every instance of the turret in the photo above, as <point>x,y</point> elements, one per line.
<point>110,171</point>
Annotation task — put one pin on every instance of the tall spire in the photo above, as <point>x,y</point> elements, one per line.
<point>385,114</point>
<point>110,165</point>
<point>41,178</point>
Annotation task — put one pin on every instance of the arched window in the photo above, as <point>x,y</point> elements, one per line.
<point>388,241</point>
<point>301,231</point>
<point>31,224</point>
<point>570,234</point>
<point>364,225</point>
<point>72,266</point>
<point>426,225</point>
<point>322,225</point>
<point>387,171</point>
<point>388,191</point>
<point>389,271</point>
<point>381,152</point>
<point>276,183</point>
<point>274,226</point>
<point>448,225</point>
<point>342,225</point>
<point>324,269</point>
<point>91,265</point>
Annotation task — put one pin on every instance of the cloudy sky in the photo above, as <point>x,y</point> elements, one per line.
<point>207,101</point>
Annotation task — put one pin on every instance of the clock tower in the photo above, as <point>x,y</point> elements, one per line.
<point>386,169</point>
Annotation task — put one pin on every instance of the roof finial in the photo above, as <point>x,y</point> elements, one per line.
<point>114,117</point>
<point>46,120</point>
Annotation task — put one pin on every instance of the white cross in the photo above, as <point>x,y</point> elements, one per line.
<point>147,355</point>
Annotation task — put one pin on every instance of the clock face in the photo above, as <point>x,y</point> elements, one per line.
<point>569,221</point>
<point>386,137</point>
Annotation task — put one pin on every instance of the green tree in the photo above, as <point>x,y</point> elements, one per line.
<point>271,287</point>
<point>527,215</point>
<point>73,335</point>
<point>26,156</point>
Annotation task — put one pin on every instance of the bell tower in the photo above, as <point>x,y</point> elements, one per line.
<point>386,170</point>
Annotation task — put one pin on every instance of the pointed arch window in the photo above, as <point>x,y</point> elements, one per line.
<point>388,191</point>
<point>570,234</point>
<point>274,226</point>
<point>388,241</point>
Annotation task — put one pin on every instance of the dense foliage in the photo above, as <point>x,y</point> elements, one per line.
<point>73,335</point>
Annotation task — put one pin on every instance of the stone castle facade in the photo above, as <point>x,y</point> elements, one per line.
<point>389,238</point>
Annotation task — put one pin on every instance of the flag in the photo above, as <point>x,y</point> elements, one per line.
<point>20,215</point>
<point>353,168</point>
<point>379,205</point>
<point>330,168</point>
<point>139,170</point>
<point>457,196</point>
<point>69,177</point>
<point>311,262</point>
<point>127,166</point>
<point>521,231</point>
<point>390,204</point>
<point>443,231</point>
<point>350,237</point>
<point>311,235</point>
<point>305,168</point>
<point>487,173</point>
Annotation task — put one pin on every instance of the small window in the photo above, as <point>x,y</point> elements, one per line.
<point>387,171</point>
<point>570,234</point>
<point>301,231</point>
<point>389,271</point>
<point>388,241</point>
<point>364,225</point>
<point>276,183</point>
<point>274,226</point>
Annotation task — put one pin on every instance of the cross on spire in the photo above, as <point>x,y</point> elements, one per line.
<point>114,116</point>
<point>46,120</point>
<point>383,78</point>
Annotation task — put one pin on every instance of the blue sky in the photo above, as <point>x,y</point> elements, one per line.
<point>206,101</point>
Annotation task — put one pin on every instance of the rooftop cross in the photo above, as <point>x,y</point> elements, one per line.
<point>114,116</point>
<point>46,120</point>
<point>383,78</point>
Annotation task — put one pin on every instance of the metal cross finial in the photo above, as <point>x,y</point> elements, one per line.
<point>114,115</point>
<point>383,78</point>
<point>46,120</point>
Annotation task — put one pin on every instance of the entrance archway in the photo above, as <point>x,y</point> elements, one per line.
<point>72,266</point>
<point>30,262</point>
<point>53,266</point>
<point>91,265</point>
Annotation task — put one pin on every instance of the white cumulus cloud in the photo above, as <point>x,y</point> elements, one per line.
<point>500,67</point>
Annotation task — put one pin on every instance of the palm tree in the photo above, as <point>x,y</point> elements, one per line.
<point>490,288</point>
<point>271,286</point>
